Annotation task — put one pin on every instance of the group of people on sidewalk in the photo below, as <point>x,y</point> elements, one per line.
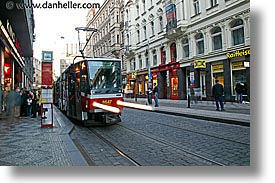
<point>154,92</point>
<point>217,93</point>
<point>21,102</point>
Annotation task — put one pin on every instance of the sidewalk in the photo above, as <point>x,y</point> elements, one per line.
<point>24,143</point>
<point>234,113</point>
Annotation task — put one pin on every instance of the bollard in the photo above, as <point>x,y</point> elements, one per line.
<point>136,97</point>
<point>188,101</point>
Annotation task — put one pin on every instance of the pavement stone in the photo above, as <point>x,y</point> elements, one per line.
<point>24,143</point>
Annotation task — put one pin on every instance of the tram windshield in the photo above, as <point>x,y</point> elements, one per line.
<point>105,76</point>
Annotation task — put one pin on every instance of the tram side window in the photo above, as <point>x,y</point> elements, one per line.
<point>84,87</point>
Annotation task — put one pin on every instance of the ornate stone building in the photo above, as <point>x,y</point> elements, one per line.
<point>187,44</point>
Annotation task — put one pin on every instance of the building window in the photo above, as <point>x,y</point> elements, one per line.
<point>143,3</point>
<point>138,36</point>
<point>137,10</point>
<point>161,23</point>
<point>128,40</point>
<point>213,3</point>
<point>216,35</point>
<point>237,29</point>
<point>185,45</point>
<point>199,43</point>
<point>155,58</point>
<point>162,55</point>
<point>140,61</point>
<point>196,7</point>
<point>152,28</point>
<point>146,59</point>
<point>132,65</point>
<point>117,37</point>
<point>173,52</point>
<point>144,31</point>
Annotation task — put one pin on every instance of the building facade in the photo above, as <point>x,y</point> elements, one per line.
<point>109,39</point>
<point>187,44</point>
<point>37,78</point>
<point>16,47</point>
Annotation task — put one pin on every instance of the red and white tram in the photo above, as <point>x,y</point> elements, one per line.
<point>89,91</point>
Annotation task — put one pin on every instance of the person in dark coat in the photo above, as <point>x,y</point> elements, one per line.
<point>24,104</point>
<point>217,92</point>
<point>239,90</point>
<point>156,94</point>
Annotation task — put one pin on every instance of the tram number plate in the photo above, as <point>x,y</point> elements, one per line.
<point>107,102</point>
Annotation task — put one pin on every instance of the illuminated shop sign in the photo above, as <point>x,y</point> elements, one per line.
<point>217,68</point>
<point>199,64</point>
<point>238,53</point>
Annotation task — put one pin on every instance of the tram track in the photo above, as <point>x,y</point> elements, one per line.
<point>174,146</point>
<point>114,147</point>
<point>201,133</point>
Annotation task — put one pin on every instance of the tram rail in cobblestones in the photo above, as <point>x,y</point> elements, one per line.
<point>174,146</point>
<point>214,136</point>
<point>120,152</point>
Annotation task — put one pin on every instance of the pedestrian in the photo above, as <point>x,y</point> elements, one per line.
<point>24,97</point>
<point>217,92</point>
<point>13,108</point>
<point>17,102</point>
<point>29,106</point>
<point>34,104</point>
<point>239,91</point>
<point>156,94</point>
<point>149,97</point>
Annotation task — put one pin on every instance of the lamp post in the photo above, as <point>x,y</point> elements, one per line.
<point>149,75</point>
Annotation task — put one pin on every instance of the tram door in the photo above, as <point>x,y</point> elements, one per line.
<point>72,92</point>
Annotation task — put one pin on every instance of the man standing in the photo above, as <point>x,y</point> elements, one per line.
<point>156,93</point>
<point>217,92</point>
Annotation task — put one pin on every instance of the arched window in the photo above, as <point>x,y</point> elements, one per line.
<point>237,32</point>
<point>152,28</point>
<point>144,32</point>
<point>173,52</point>
<point>216,35</point>
<point>163,55</point>
<point>138,36</point>
<point>160,23</point>
<point>185,45</point>
<point>199,43</point>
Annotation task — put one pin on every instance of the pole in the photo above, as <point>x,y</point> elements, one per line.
<point>149,68</point>
<point>149,76</point>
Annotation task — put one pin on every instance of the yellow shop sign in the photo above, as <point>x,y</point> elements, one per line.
<point>238,53</point>
<point>199,64</point>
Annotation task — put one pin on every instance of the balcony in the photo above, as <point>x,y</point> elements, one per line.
<point>173,30</point>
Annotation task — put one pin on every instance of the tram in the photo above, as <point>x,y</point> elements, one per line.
<point>89,91</point>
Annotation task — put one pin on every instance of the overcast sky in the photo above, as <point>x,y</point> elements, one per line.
<point>52,24</point>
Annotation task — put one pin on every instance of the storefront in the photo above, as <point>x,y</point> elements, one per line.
<point>240,71</point>
<point>167,79</point>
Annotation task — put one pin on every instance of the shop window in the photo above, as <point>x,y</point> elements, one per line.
<point>217,71</point>
<point>174,86</point>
